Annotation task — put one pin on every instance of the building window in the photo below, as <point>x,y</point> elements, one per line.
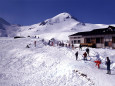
<point>72,42</point>
<point>71,37</point>
<point>79,37</point>
<point>106,44</point>
<point>98,40</point>
<point>113,39</point>
<point>75,37</point>
<point>79,41</point>
<point>88,40</point>
<point>75,41</point>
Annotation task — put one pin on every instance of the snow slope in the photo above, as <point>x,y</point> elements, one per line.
<point>45,65</point>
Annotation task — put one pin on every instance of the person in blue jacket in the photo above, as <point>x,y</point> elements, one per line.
<point>108,65</point>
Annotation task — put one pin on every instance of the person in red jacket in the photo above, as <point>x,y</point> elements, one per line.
<point>85,56</point>
<point>98,62</point>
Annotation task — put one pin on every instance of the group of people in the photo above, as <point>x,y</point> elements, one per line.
<point>98,61</point>
<point>107,63</point>
<point>85,54</point>
<point>28,45</point>
<point>60,43</point>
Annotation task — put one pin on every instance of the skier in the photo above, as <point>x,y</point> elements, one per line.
<point>52,43</point>
<point>80,47</point>
<point>98,62</point>
<point>108,65</point>
<point>35,36</point>
<point>35,43</point>
<point>87,50</point>
<point>49,43</point>
<point>69,45</point>
<point>65,45</point>
<point>62,44</point>
<point>57,43</point>
<point>85,56</point>
<point>76,54</point>
<point>72,46</point>
<point>27,46</point>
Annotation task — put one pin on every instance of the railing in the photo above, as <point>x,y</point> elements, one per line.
<point>87,44</point>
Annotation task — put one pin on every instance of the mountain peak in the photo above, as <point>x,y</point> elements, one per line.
<point>63,15</point>
<point>58,18</point>
<point>2,21</point>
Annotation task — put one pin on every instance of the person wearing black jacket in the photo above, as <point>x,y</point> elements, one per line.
<point>87,50</point>
<point>108,65</point>
<point>80,47</point>
<point>76,54</point>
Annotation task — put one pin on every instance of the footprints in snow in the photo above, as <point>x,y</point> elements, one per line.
<point>80,74</point>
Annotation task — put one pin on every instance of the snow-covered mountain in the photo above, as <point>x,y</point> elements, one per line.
<point>58,19</point>
<point>57,27</point>
<point>3,24</point>
<point>7,29</point>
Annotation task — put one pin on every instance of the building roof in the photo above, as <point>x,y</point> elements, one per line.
<point>102,31</point>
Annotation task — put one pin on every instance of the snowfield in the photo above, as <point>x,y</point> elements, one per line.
<point>46,65</point>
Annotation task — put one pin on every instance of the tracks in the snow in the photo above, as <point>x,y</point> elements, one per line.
<point>89,82</point>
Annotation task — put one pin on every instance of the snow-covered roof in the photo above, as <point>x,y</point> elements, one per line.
<point>102,31</point>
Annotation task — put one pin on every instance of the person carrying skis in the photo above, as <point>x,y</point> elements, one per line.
<point>108,65</point>
<point>85,56</point>
<point>87,50</point>
<point>76,54</point>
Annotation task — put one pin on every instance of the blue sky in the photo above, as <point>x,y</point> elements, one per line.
<point>27,12</point>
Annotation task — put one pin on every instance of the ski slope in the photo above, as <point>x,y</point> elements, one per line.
<point>46,65</point>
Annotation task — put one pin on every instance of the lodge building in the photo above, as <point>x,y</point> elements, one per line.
<point>100,38</point>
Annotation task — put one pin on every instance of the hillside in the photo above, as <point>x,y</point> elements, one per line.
<point>46,65</point>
